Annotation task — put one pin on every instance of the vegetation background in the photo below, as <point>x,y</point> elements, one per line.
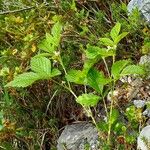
<point>33,117</point>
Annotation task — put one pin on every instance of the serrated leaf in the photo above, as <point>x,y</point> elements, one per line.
<point>56,30</point>
<point>52,41</point>
<point>42,55</point>
<point>107,42</point>
<point>133,69</point>
<point>114,116</point>
<point>115,31</point>
<point>76,76</point>
<point>55,72</point>
<point>88,63</point>
<point>120,37</point>
<point>47,44</point>
<point>97,80</point>
<point>93,51</point>
<point>88,100</point>
<point>41,65</point>
<point>23,80</point>
<point>117,67</point>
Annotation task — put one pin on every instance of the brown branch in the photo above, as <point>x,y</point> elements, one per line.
<point>14,11</point>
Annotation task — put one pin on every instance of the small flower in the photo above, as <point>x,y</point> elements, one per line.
<point>57,53</point>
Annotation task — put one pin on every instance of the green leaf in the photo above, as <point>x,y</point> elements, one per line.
<point>88,63</point>
<point>42,55</point>
<point>55,72</point>
<point>76,76</point>
<point>93,51</point>
<point>23,80</point>
<point>47,44</point>
<point>115,31</point>
<point>107,42</point>
<point>56,33</point>
<point>41,65</point>
<point>97,80</point>
<point>51,42</point>
<point>120,37</point>
<point>133,69</point>
<point>88,100</point>
<point>117,67</point>
<point>56,30</point>
<point>114,116</point>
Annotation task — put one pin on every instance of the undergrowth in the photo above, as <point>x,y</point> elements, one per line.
<point>58,62</point>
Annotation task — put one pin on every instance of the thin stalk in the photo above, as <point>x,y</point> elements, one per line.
<point>110,115</point>
<point>61,62</point>
<point>89,112</point>
<point>106,66</point>
<point>65,87</point>
<point>85,90</point>
<point>105,106</point>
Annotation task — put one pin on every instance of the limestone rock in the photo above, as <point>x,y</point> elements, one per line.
<point>142,5</point>
<point>76,136</point>
<point>144,139</point>
<point>139,103</point>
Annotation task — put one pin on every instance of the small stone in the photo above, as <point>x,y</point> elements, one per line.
<point>139,103</point>
<point>143,141</point>
<point>147,113</point>
<point>144,59</point>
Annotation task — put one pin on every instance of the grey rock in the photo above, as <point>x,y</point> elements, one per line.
<point>139,103</point>
<point>142,5</point>
<point>144,59</point>
<point>143,140</point>
<point>76,136</point>
<point>147,112</point>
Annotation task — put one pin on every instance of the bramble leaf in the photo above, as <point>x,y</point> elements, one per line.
<point>107,41</point>
<point>55,72</point>
<point>115,31</point>
<point>117,67</point>
<point>76,76</point>
<point>52,40</point>
<point>97,80</point>
<point>23,80</point>
<point>120,37</point>
<point>133,69</point>
<point>41,65</point>
<point>93,51</point>
<point>88,100</point>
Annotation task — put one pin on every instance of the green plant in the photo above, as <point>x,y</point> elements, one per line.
<point>89,76</point>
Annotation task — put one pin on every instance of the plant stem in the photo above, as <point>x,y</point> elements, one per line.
<point>61,62</point>
<point>67,88</point>
<point>89,112</point>
<point>110,114</point>
<point>105,106</point>
<point>106,66</point>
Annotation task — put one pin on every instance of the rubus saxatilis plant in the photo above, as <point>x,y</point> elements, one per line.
<point>89,76</point>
